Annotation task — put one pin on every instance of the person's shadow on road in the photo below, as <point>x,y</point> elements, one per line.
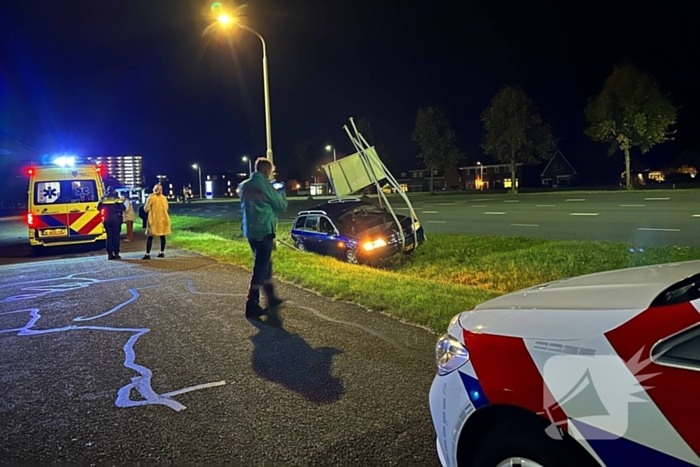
<point>289,360</point>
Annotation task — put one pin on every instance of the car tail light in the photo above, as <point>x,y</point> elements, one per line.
<point>30,219</point>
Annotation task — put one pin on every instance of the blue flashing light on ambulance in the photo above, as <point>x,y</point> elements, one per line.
<point>62,205</point>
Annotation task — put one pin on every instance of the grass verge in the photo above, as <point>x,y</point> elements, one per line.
<point>448,274</point>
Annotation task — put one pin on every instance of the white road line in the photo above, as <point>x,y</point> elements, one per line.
<point>576,199</point>
<point>632,205</point>
<point>478,205</point>
<point>659,230</point>
<point>437,222</point>
<point>494,213</point>
<point>525,225</point>
<point>584,214</point>
<point>656,199</point>
<point>219,215</point>
<point>446,204</point>
<point>512,201</point>
<point>696,215</point>
<point>483,199</point>
<point>546,205</point>
<point>429,212</point>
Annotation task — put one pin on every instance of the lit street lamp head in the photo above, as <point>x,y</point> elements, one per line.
<point>329,147</point>
<point>195,166</point>
<point>224,19</point>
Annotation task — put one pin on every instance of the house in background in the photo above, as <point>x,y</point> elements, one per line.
<point>558,172</point>
<point>485,177</point>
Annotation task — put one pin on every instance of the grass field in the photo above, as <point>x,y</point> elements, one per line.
<point>448,274</point>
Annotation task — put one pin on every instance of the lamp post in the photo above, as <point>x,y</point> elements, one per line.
<point>328,148</point>
<point>199,168</point>
<point>250,165</point>
<point>481,186</point>
<point>225,21</point>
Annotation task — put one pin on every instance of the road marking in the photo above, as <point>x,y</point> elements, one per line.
<point>479,205</point>
<point>525,225</point>
<point>446,204</point>
<point>219,215</point>
<point>546,205</point>
<point>576,199</point>
<point>512,201</point>
<point>194,388</point>
<point>696,215</point>
<point>483,199</point>
<point>429,212</point>
<point>584,214</point>
<point>659,230</point>
<point>494,213</point>
<point>656,199</point>
<point>437,222</point>
<point>632,205</point>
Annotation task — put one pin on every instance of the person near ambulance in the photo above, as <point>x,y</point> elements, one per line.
<point>260,204</point>
<point>112,210</point>
<point>129,218</point>
<point>157,221</point>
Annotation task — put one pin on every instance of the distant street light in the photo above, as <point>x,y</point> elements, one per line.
<point>328,148</point>
<point>481,186</point>
<point>226,21</point>
<point>250,165</point>
<point>199,168</point>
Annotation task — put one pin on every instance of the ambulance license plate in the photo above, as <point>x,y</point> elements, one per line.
<point>54,232</point>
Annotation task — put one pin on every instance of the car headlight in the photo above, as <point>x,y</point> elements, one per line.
<point>369,246</point>
<point>450,354</point>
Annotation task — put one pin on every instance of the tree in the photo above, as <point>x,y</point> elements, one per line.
<point>630,112</point>
<point>437,141</point>
<point>515,132</point>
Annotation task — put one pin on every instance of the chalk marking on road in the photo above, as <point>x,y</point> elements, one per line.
<point>584,214</point>
<point>632,205</point>
<point>429,212</point>
<point>437,222</point>
<point>194,388</point>
<point>494,213</point>
<point>360,326</point>
<point>656,199</point>
<point>191,288</point>
<point>141,383</point>
<point>525,225</point>
<point>575,200</point>
<point>648,229</point>
<point>479,205</point>
<point>512,201</point>
<point>546,205</point>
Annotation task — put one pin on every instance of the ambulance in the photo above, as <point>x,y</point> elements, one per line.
<point>62,204</point>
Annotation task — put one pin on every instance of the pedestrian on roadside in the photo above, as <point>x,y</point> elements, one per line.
<point>260,204</point>
<point>112,210</point>
<point>158,223</point>
<point>129,218</point>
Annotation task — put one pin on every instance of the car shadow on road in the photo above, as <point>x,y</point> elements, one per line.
<point>287,359</point>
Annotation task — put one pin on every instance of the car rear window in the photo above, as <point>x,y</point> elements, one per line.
<point>65,192</point>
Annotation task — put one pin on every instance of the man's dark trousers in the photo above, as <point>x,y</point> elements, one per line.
<point>114,231</point>
<point>262,266</point>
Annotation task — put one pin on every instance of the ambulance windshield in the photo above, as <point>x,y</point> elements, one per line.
<point>65,192</point>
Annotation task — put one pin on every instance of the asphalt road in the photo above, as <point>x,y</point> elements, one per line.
<point>152,361</point>
<point>642,218</point>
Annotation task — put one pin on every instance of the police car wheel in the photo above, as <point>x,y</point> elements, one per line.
<point>350,257</point>
<point>300,246</point>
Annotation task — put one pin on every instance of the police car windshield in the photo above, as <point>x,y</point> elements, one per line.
<point>65,192</point>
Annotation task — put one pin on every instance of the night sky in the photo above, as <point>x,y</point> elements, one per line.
<point>139,77</point>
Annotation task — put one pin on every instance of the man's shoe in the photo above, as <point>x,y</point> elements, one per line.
<point>117,256</point>
<point>253,310</point>
<point>110,257</point>
<point>272,299</point>
<point>146,257</point>
<point>161,255</point>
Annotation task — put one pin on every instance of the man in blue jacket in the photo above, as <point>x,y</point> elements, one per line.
<point>260,204</point>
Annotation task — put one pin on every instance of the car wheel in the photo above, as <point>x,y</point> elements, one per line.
<point>350,257</point>
<point>300,246</point>
<point>518,441</point>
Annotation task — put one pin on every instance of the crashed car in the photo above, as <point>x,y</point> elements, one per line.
<point>601,369</point>
<point>355,231</point>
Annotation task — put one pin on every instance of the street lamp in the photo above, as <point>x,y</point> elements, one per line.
<point>226,20</point>
<point>328,148</point>
<point>250,165</point>
<point>481,186</point>
<point>199,168</point>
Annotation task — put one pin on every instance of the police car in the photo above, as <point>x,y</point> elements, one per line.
<point>62,205</point>
<point>602,369</point>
